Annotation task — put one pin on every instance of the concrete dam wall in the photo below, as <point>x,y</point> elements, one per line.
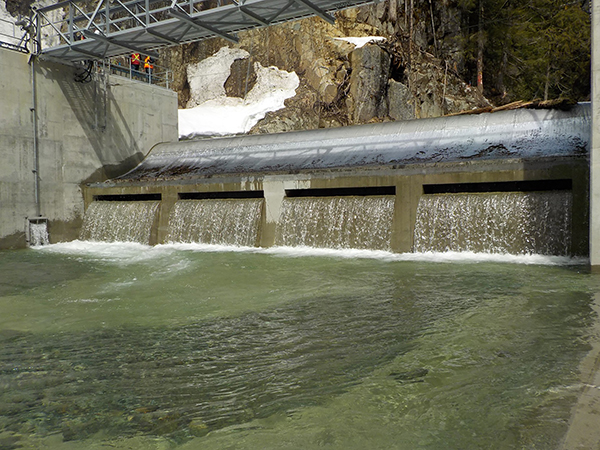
<point>507,182</point>
<point>57,134</point>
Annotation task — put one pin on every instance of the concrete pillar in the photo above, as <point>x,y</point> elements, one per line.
<point>169,197</point>
<point>408,194</point>
<point>274,194</point>
<point>595,146</point>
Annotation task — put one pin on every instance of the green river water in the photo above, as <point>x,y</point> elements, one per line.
<point>188,347</point>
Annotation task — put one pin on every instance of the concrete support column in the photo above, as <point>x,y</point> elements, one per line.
<point>595,147</point>
<point>169,197</point>
<point>407,200</point>
<point>274,194</point>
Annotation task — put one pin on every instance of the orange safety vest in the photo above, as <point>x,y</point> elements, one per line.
<point>135,59</point>
<point>147,63</point>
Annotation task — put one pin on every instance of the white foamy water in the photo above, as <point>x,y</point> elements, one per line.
<point>130,252</point>
<point>38,234</point>
<point>108,251</point>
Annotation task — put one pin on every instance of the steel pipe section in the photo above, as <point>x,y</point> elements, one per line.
<point>515,134</point>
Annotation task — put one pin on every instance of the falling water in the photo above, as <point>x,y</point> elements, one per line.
<point>119,221</point>
<point>216,221</point>
<point>512,222</point>
<point>38,233</point>
<point>337,222</point>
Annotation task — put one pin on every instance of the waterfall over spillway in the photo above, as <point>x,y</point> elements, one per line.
<point>509,182</point>
<point>119,221</point>
<point>336,222</point>
<point>504,222</point>
<point>216,221</point>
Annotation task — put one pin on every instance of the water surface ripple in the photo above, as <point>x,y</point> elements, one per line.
<point>247,350</point>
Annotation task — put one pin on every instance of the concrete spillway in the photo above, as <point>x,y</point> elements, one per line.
<point>402,165</point>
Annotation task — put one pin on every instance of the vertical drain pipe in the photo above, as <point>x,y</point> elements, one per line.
<point>36,155</point>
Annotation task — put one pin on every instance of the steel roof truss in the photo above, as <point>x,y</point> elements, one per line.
<point>182,15</point>
<point>60,33</point>
<point>258,19</point>
<point>162,36</point>
<point>145,25</point>
<point>317,11</point>
<point>94,14</point>
<point>101,37</point>
<point>131,13</point>
<point>281,11</point>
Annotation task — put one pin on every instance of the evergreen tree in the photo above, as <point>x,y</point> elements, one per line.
<point>532,49</point>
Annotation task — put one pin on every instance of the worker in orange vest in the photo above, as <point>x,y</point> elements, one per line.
<point>148,64</point>
<point>135,61</point>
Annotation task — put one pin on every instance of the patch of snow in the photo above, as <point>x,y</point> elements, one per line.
<point>217,114</point>
<point>207,78</point>
<point>359,42</point>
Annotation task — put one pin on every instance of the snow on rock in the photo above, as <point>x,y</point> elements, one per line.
<point>359,42</point>
<point>217,114</point>
<point>207,78</point>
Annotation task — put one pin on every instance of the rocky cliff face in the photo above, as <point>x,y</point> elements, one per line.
<point>395,78</point>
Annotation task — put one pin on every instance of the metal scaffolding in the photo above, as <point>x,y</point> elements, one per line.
<point>71,31</point>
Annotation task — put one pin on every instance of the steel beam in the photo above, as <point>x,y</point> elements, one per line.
<point>163,37</point>
<point>317,11</point>
<point>86,53</point>
<point>203,26</point>
<point>146,25</point>
<point>109,41</point>
<point>260,20</point>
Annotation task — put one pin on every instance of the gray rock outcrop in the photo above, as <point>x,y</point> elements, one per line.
<point>367,95</point>
<point>341,84</point>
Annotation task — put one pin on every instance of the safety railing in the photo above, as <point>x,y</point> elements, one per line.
<point>12,35</point>
<point>121,66</point>
<point>77,30</point>
<point>65,22</point>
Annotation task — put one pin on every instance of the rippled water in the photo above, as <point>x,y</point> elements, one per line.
<point>188,346</point>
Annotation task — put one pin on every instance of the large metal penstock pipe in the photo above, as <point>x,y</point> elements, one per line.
<point>524,133</point>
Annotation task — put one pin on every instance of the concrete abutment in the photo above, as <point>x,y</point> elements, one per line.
<point>82,132</point>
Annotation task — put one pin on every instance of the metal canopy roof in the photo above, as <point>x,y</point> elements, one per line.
<point>116,27</point>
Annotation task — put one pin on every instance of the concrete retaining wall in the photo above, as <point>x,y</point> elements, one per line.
<point>86,132</point>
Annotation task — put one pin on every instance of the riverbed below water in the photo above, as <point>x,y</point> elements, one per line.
<point>192,346</point>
